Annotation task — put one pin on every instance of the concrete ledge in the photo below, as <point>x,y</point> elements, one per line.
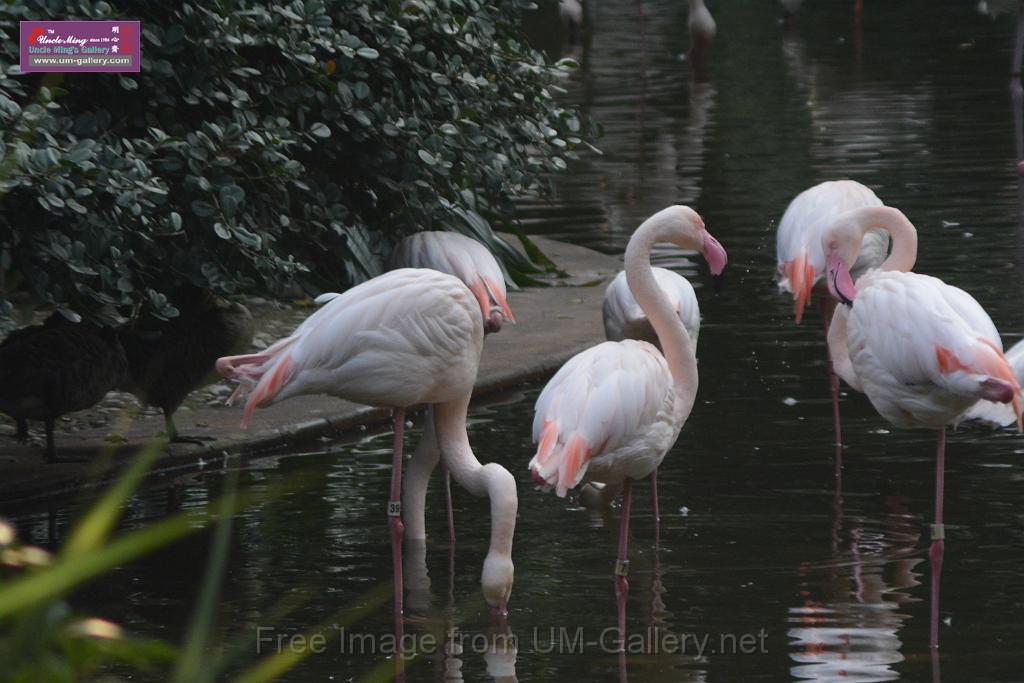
<point>554,323</point>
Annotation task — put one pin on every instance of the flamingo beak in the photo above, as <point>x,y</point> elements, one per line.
<point>714,254</point>
<point>840,284</point>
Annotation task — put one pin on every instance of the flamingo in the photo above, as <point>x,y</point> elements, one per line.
<point>624,319</point>
<point>408,337</point>
<point>466,259</point>
<point>983,411</point>
<point>612,412</point>
<point>801,263</point>
<point>702,31</point>
<point>471,262</point>
<point>923,351</point>
<point>571,14</point>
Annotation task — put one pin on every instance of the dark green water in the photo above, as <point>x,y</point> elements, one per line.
<point>756,538</point>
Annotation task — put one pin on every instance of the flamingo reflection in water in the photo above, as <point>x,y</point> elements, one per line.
<point>501,649</point>
<point>851,632</point>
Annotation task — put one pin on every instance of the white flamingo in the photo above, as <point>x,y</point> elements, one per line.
<point>612,412</point>
<point>471,262</point>
<point>801,262</point>
<point>466,259</point>
<point>624,319</point>
<point>923,351</point>
<point>405,338</point>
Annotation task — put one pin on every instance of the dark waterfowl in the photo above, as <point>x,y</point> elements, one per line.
<point>169,359</point>
<point>56,368</point>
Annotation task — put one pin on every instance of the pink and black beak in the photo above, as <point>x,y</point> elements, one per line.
<point>717,259</point>
<point>837,274</point>
<point>492,303</point>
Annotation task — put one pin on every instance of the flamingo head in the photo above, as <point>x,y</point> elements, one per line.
<point>683,227</point>
<point>841,246</point>
<point>496,581</point>
<point>837,275</point>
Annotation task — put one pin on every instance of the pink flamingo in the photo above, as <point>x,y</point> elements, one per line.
<point>466,259</point>
<point>405,338</point>
<point>801,263</point>
<point>923,351</point>
<point>981,412</point>
<point>471,262</point>
<point>624,319</point>
<point>612,412</point>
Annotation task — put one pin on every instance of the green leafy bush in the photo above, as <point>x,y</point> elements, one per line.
<point>265,144</point>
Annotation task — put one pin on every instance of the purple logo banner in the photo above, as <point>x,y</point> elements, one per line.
<point>80,46</point>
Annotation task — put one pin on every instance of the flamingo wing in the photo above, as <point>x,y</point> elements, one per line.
<point>600,403</point>
<point>925,350</point>
<point>406,337</point>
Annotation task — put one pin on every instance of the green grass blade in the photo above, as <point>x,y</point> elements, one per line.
<point>91,531</point>
<point>191,665</point>
<point>279,663</point>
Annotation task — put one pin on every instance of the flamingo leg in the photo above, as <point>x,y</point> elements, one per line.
<point>827,308</point>
<point>448,501</point>
<point>938,538</point>
<point>657,513</point>
<point>1018,44</point>
<point>622,562</point>
<point>395,524</point>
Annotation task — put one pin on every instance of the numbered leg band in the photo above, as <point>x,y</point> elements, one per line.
<point>394,508</point>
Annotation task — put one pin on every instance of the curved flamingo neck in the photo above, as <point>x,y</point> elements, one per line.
<point>902,231</point>
<point>491,480</point>
<point>675,342</point>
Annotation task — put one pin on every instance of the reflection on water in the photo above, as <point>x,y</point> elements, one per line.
<point>754,538</point>
<point>849,623</point>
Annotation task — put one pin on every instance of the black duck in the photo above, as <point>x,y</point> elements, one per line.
<point>168,359</point>
<point>56,368</point>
